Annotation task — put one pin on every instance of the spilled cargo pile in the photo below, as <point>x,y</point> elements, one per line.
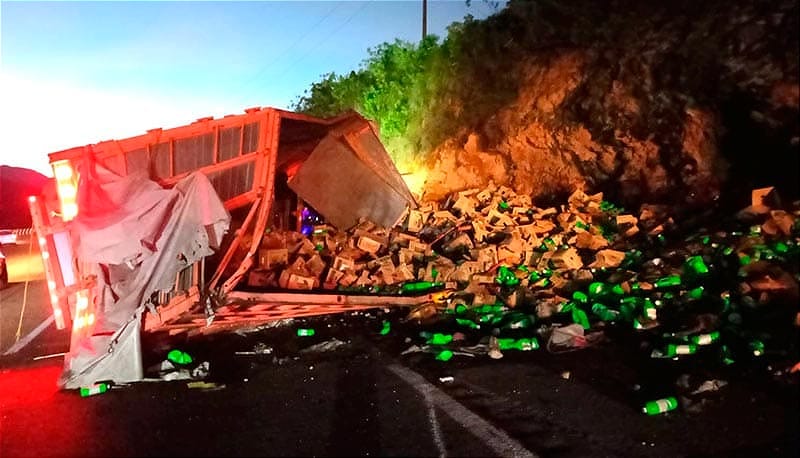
<point>514,277</point>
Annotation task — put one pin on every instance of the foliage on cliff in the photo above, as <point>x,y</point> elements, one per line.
<point>642,67</point>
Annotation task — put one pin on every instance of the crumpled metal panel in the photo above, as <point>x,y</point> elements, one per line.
<point>343,188</point>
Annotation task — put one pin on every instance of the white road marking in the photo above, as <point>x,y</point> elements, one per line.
<point>32,335</point>
<point>494,438</point>
<point>437,433</point>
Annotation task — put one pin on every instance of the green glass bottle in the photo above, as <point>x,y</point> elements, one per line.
<point>696,265</point>
<point>490,318</point>
<point>179,357</point>
<point>604,313</point>
<point>650,311</point>
<point>757,347</point>
<point>523,344</point>
<point>579,317</point>
<point>468,323</point>
<point>726,301</point>
<point>305,332</point>
<point>705,339</point>
<point>444,355</point>
<point>420,286</point>
<point>580,296</point>
<point>660,406</point>
<point>695,293</point>
<point>387,327</point>
<point>518,320</point>
<point>506,277</point>
<point>726,355</point>
<point>97,388</point>
<point>597,289</point>
<point>526,344</point>
<point>681,349</point>
<point>668,281</point>
<point>489,308</point>
<point>631,303</point>
<point>440,339</point>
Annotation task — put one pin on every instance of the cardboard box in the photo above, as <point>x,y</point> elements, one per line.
<point>271,258</point>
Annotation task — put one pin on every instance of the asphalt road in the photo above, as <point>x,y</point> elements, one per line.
<point>22,312</point>
<point>23,304</point>
<point>365,398</point>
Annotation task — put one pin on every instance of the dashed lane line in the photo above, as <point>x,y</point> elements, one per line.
<point>494,438</point>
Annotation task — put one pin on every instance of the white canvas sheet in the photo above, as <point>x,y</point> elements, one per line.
<point>135,236</point>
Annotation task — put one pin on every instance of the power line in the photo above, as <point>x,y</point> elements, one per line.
<point>350,18</point>
<point>295,43</point>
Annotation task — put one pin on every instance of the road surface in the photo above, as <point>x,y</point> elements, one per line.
<point>365,398</point>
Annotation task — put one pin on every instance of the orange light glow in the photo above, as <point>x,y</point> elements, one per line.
<point>83,317</point>
<point>82,302</point>
<point>415,179</point>
<point>67,190</point>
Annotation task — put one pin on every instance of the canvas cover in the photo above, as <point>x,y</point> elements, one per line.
<point>134,236</point>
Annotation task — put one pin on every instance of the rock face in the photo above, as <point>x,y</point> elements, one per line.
<point>666,103</point>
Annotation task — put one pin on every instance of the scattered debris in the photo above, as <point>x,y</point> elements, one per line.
<point>54,355</point>
<point>269,325</point>
<point>710,386</point>
<point>258,349</point>
<point>328,345</point>
<point>205,386</point>
<point>505,275</point>
<point>179,365</point>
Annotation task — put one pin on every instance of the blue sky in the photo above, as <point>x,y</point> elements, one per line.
<point>74,73</point>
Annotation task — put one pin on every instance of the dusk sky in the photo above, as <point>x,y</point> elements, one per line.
<point>75,73</point>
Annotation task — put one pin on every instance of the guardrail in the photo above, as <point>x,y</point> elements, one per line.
<point>16,236</point>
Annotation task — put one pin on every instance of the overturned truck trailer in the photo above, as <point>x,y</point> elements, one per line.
<point>154,233</point>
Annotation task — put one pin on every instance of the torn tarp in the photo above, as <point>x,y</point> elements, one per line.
<point>135,236</point>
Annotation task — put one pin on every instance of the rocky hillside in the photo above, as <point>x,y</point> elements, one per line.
<point>16,184</point>
<point>646,101</point>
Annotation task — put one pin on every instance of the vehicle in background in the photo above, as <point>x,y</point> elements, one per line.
<point>7,237</point>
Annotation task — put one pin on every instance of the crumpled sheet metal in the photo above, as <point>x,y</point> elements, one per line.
<point>163,231</point>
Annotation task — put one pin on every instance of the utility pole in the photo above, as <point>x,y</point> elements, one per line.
<point>424,18</point>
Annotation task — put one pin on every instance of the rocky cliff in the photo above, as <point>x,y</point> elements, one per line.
<point>647,101</point>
